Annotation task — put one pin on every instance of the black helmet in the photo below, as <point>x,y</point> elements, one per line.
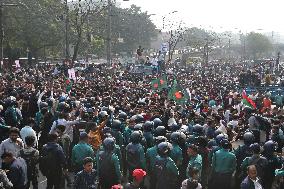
<point>43,105</point>
<point>148,126</point>
<point>160,131</point>
<point>225,144</point>
<point>106,130</point>
<point>248,138</point>
<point>157,122</point>
<point>198,130</point>
<point>139,118</point>
<point>219,139</point>
<point>109,144</point>
<point>116,124</point>
<point>174,127</point>
<point>122,116</point>
<point>136,137</point>
<point>269,147</point>
<point>103,114</point>
<point>164,148</point>
<point>175,136</point>
<point>138,127</point>
<point>160,139</point>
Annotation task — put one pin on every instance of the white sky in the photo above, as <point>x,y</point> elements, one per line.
<point>221,15</point>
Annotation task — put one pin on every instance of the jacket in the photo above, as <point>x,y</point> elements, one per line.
<point>85,180</point>
<point>248,184</point>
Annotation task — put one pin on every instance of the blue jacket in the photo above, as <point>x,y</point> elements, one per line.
<point>84,180</point>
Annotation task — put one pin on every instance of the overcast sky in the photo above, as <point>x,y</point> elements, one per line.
<point>234,15</point>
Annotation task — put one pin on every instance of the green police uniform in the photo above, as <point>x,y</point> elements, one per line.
<point>223,161</point>
<point>151,154</point>
<point>195,161</point>
<point>176,154</point>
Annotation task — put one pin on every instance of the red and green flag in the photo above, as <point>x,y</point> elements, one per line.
<point>68,84</point>
<point>248,101</point>
<point>177,94</point>
<point>159,83</point>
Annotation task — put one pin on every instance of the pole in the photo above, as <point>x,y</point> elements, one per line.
<point>66,30</point>
<point>2,34</point>
<point>109,34</point>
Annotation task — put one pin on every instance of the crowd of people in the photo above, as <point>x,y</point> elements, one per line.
<point>112,130</point>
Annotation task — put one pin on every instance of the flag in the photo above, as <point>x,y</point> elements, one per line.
<point>69,84</point>
<point>177,94</point>
<point>163,82</point>
<point>155,84</point>
<point>159,83</point>
<point>248,101</point>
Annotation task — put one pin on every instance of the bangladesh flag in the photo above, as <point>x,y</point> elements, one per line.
<point>177,94</point>
<point>155,84</point>
<point>159,83</point>
<point>163,82</point>
<point>248,101</point>
<point>69,84</point>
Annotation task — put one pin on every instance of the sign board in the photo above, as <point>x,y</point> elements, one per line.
<point>164,47</point>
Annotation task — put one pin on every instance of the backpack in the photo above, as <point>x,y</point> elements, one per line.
<point>162,176</point>
<point>48,162</point>
<point>133,157</point>
<point>106,167</point>
<point>30,161</point>
<point>11,116</point>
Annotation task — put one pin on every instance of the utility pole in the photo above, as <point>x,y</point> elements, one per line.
<point>66,30</point>
<point>109,34</point>
<point>2,5</point>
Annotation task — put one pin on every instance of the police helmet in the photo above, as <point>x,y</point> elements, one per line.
<point>174,127</point>
<point>136,137</point>
<point>116,124</point>
<point>139,118</point>
<point>219,139</point>
<point>164,148</point>
<point>138,127</point>
<point>248,138</point>
<point>160,131</point>
<point>109,144</point>
<point>198,130</point>
<point>122,116</point>
<point>157,122</point>
<point>175,136</point>
<point>160,139</point>
<point>269,147</point>
<point>148,126</point>
<point>103,114</point>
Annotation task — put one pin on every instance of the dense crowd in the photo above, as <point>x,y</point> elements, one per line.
<point>112,130</point>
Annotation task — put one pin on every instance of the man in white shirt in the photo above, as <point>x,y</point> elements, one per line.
<point>13,144</point>
<point>68,125</point>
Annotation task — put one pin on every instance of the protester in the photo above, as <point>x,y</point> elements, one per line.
<point>86,179</point>
<point>5,183</point>
<point>52,162</point>
<point>251,181</point>
<point>31,156</point>
<point>17,170</point>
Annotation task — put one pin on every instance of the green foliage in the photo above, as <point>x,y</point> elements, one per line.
<point>39,25</point>
<point>258,44</point>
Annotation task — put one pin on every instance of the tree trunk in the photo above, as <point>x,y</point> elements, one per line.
<point>76,48</point>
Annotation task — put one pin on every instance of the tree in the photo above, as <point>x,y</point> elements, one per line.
<point>258,45</point>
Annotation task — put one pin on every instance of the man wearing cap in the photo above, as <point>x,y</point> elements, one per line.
<point>138,178</point>
<point>80,151</point>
